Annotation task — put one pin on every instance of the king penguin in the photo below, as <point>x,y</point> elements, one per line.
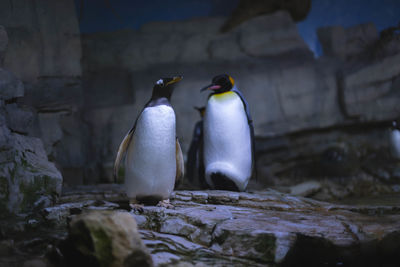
<point>228,136</point>
<point>195,159</point>
<point>154,160</point>
<point>395,140</point>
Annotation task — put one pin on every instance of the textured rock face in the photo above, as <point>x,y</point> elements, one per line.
<point>43,38</point>
<point>332,164</point>
<point>3,43</point>
<point>27,179</point>
<point>251,229</point>
<point>44,51</point>
<point>270,36</point>
<point>288,91</point>
<point>106,239</point>
<point>246,10</point>
<point>18,119</point>
<point>344,43</point>
<point>372,92</point>
<point>191,42</point>
<point>10,86</point>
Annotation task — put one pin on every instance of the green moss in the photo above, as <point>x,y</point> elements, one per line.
<point>266,244</point>
<point>4,194</point>
<point>41,185</point>
<point>103,247</point>
<point>12,172</point>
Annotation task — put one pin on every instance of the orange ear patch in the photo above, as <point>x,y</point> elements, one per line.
<point>232,80</point>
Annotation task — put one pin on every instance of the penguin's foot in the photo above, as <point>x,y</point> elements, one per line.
<point>135,206</point>
<point>165,204</point>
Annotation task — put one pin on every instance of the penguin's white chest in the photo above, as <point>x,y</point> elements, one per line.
<point>227,140</point>
<point>395,143</point>
<point>151,160</point>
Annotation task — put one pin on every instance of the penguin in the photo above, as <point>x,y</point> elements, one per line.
<point>195,161</point>
<point>395,140</point>
<point>154,160</point>
<point>228,136</point>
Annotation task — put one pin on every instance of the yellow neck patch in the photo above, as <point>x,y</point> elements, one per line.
<point>224,95</point>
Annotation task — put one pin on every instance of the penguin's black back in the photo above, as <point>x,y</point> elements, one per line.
<point>195,157</point>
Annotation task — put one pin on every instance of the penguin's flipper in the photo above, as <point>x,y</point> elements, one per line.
<point>251,126</point>
<point>122,150</point>
<point>180,164</point>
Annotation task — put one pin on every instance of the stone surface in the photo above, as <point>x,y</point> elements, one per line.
<point>192,41</point>
<point>18,119</point>
<point>98,92</point>
<point>43,38</point>
<point>65,137</point>
<point>50,130</point>
<point>373,91</point>
<point>10,86</point>
<point>350,161</point>
<point>3,44</point>
<point>342,43</point>
<point>246,10</point>
<point>270,36</point>
<point>105,238</point>
<point>54,94</point>
<point>257,229</point>
<point>28,179</point>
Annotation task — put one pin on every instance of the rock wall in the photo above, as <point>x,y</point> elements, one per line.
<point>44,51</point>
<point>287,89</point>
<point>43,38</point>
<point>27,179</point>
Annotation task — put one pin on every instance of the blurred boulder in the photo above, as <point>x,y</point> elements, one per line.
<point>388,43</point>
<point>246,10</point>
<point>10,86</point>
<point>347,161</point>
<point>26,175</point>
<point>188,42</point>
<point>271,35</point>
<point>372,91</point>
<point>344,43</point>
<point>65,137</point>
<point>27,179</point>
<point>3,43</point>
<point>97,86</point>
<point>43,38</point>
<point>54,94</point>
<point>50,130</point>
<point>19,119</point>
<point>105,238</point>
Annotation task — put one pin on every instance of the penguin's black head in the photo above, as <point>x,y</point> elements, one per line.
<point>395,125</point>
<point>220,84</point>
<point>164,87</point>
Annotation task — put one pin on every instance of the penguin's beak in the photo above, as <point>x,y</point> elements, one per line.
<point>211,87</point>
<point>175,79</point>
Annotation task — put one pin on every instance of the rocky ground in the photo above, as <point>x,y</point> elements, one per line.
<point>219,228</point>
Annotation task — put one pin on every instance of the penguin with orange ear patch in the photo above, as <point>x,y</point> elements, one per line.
<point>228,136</point>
